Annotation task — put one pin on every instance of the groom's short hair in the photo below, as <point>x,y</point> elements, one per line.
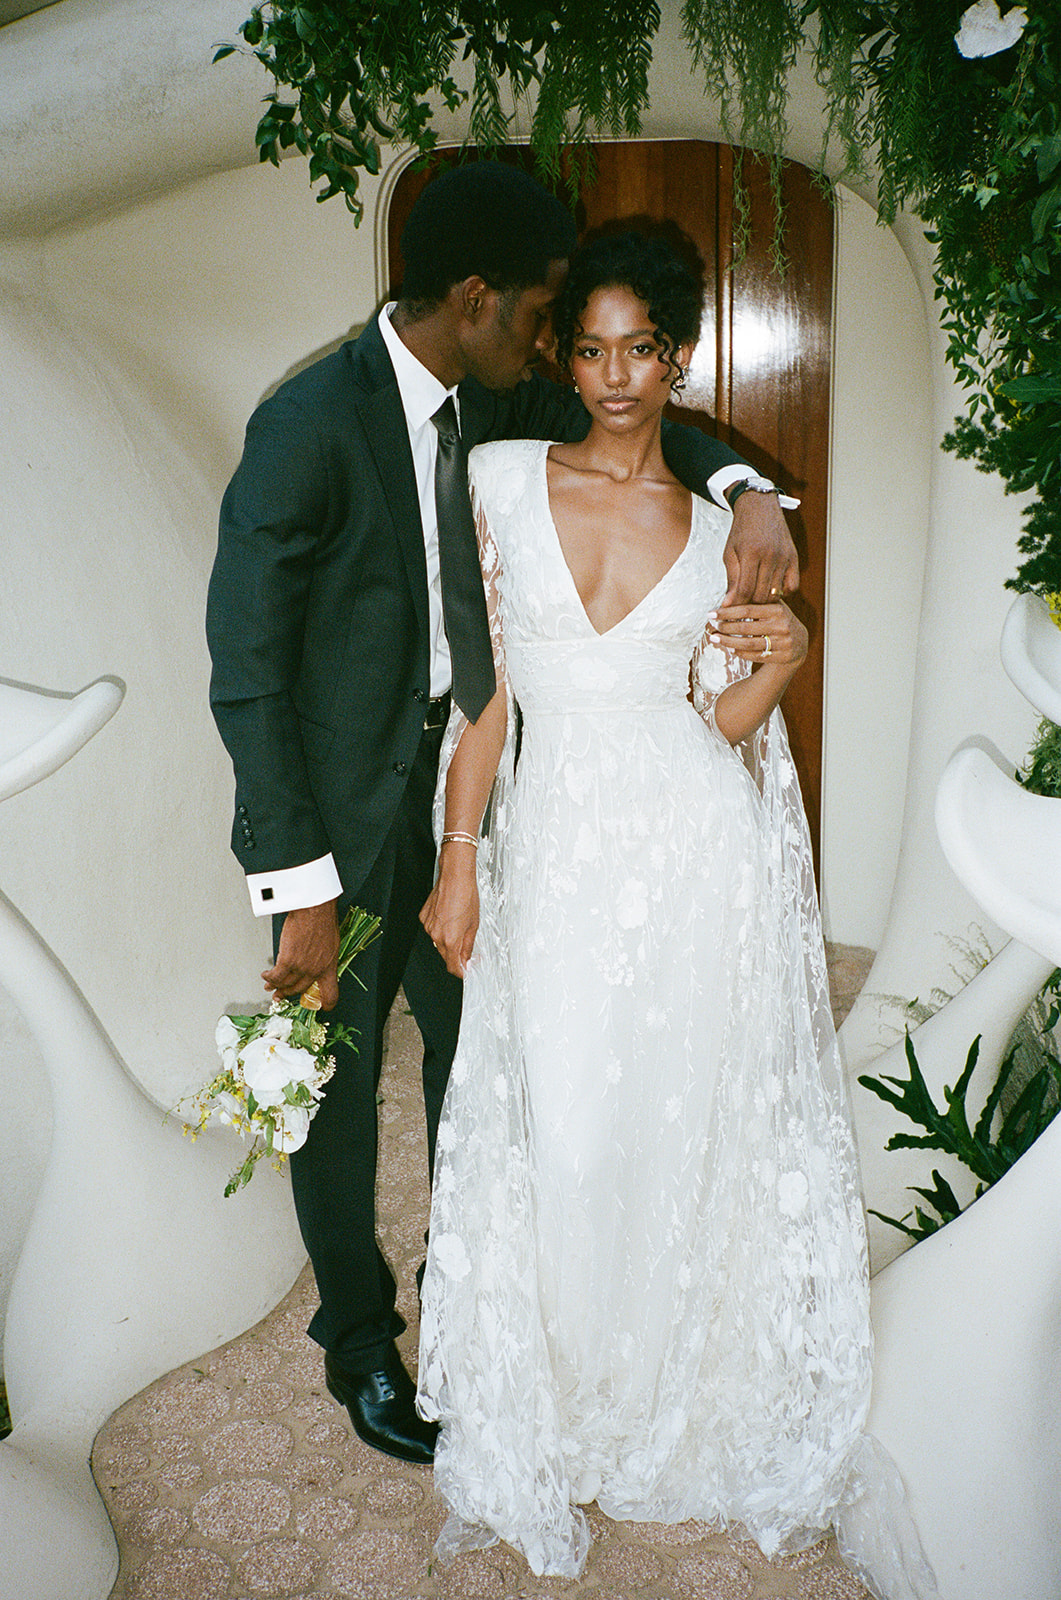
<point>484,219</point>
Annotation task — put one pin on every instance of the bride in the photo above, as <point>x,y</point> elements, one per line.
<point>646,1281</point>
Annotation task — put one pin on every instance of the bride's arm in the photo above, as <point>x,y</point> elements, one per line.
<point>775,642</point>
<point>451,911</point>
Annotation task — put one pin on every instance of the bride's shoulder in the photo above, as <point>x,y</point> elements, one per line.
<point>711,520</point>
<point>507,452</point>
<point>501,472</point>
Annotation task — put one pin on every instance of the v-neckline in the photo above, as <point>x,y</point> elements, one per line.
<point>603,634</point>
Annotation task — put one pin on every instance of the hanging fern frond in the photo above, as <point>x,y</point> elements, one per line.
<point>1024,1099</point>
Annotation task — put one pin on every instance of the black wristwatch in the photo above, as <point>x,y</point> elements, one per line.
<point>759,484</point>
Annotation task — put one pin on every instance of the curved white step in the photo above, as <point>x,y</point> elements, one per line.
<point>967,1385</point>
<point>40,731</point>
<point>1004,844</point>
<point>1031,653</point>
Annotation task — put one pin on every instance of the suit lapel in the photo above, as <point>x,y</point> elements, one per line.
<point>383,420</point>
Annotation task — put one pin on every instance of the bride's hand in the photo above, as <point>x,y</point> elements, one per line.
<point>759,634</point>
<point>450,913</point>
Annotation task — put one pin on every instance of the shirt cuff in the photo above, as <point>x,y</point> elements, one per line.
<point>294,888</point>
<point>737,472</point>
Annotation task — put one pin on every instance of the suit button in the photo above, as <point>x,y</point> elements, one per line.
<point>400,767</point>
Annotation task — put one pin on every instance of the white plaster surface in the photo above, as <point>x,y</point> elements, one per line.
<point>966,1395</point>
<point>154,282</point>
<point>880,469</point>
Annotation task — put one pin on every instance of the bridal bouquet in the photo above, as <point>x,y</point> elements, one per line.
<point>274,1065</point>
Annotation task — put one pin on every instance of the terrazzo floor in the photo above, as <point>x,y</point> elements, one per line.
<point>237,1477</point>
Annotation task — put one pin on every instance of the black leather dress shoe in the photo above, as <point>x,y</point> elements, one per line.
<point>382,1407</point>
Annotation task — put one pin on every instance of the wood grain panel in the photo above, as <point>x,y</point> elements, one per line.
<point>760,378</point>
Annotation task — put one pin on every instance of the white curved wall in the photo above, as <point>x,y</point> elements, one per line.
<point>133,350</point>
<point>880,469</point>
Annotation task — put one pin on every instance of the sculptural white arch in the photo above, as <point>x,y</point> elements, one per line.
<point>108,103</point>
<point>100,1304</point>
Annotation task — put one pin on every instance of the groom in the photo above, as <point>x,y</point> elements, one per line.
<point>345,609</point>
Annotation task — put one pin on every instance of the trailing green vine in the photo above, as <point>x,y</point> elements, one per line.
<point>362,71</point>
<point>955,107</point>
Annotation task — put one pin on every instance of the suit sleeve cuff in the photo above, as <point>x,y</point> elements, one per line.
<point>736,472</point>
<point>293,888</point>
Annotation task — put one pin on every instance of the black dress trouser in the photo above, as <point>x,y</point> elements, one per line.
<point>333,1176</point>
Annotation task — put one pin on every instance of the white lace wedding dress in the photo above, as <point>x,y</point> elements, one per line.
<point>646,1279</point>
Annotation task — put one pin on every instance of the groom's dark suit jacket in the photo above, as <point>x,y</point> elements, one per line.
<point>317,614</point>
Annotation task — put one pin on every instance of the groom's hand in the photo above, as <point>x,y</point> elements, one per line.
<point>761,560</point>
<point>309,948</point>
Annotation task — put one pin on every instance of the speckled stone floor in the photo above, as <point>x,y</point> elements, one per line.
<point>238,1478</point>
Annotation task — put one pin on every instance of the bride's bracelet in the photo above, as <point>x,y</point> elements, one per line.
<point>461,838</point>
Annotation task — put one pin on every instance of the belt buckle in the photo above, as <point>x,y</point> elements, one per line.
<point>437,712</point>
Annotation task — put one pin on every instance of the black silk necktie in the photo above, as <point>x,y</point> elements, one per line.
<point>463,600</point>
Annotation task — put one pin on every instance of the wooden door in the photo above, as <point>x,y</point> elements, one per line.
<point>760,377</point>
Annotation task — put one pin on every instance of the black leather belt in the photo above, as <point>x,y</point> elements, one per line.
<point>437,712</point>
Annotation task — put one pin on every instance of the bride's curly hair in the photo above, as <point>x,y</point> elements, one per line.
<point>668,277</point>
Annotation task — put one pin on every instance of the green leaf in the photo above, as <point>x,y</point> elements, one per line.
<point>897,1222</point>
<point>1045,207</point>
<point>1048,157</point>
<point>1033,388</point>
<point>222,51</point>
<point>305,26</point>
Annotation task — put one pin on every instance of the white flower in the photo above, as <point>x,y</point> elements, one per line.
<point>446,1182</point>
<point>269,1065</point>
<point>226,1036</point>
<point>984,31</point>
<point>579,781</point>
<point>631,904</point>
<point>508,487</point>
<point>742,899</point>
<point>228,1108</point>
<point>672,1110</point>
<point>292,1126</point>
<point>278,1028</point>
<point>612,1070</point>
<point>792,1193</point>
<point>448,1250</point>
<point>590,673</point>
<point>586,847</point>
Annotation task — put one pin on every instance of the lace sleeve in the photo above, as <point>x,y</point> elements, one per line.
<point>713,669</point>
<point>490,562</point>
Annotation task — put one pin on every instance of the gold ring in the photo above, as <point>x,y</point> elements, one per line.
<point>766,636</point>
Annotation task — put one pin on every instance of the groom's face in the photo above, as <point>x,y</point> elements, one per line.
<point>515,328</point>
